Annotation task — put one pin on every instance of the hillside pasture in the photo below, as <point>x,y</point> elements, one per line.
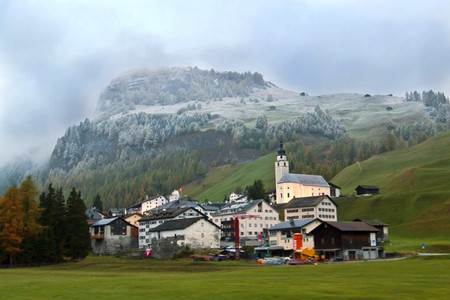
<point>113,278</point>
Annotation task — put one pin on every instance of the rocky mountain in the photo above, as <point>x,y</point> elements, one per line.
<point>156,130</point>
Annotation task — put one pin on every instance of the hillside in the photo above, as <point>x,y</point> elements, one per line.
<point>414,191</point>
<point>147,120</point>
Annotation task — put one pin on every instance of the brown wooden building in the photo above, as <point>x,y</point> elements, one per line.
<point>346,241</point>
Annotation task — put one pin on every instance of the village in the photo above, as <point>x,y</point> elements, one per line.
<point>300,220</point>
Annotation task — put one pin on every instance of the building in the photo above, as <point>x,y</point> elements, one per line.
<point>92,215</point>
<point>197,233</point>
<point>367,190</point>
<point>113,235</point>
<point>281,241</point>
<point>320,207</point>
<point>346,241</point>
<point>148,204</point>
<point>133,218</point>
<point>157,218</point>
<point>290,185</point>
<point>383,234</point>
<point>335,191</point>
<point>253,215</point>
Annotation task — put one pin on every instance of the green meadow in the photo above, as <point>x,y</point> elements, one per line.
<point>113,278</point>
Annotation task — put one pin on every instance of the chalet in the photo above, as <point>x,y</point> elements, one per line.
<point>197,233</point>
<point>290,185</point>
<point>382,234</point>
<point>157,218</point>
<point>113,235</point>
<point>148,204</point>
<point>321,207</point>
<point>92,215</point>
<point>117,212</point>
<point>253,216</point>
<point>281,241</point>
<point>133,218</point>
<point>367,190</point>
<point>237,197</point>
<point>346,240</point>
<point>335,191</point>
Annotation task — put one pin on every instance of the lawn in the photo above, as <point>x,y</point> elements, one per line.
<point>112,278</point>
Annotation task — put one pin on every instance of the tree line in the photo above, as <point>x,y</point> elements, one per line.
<point>47,231</point>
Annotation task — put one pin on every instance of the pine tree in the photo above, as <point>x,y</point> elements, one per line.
<point>98,204</point>
<point>11,223</point>
<point>77,229</point>
<point>53,219</point>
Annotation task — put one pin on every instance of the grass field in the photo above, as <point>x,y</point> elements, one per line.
<point>113,278</point>
<point>224,180</point>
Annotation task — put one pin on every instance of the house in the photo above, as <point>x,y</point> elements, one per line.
<point>321,207</point>
<point>113,235</point>
<point>117,212</point>
<point>253,215</point>
<point>383,234</point>
<point>346,240</point>
<point>148,204</point>
<point>92,215</point>
<point>367,190</point>
<point>133,218</point>
<point>197,233</point>
<point>290,185</point>
<point>335,191</point>
<point>157,218</point>
<point>281,241</point>
<point>237,197</point>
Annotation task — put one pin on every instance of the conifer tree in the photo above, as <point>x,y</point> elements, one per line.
<point>77,229</point>
<point>53,217</point>
<point>11,223</point>
<point>98,204</point>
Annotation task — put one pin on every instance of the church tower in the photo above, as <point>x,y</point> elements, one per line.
<point>281,167</point>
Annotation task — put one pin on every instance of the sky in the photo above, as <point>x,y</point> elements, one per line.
<point>57,56</point>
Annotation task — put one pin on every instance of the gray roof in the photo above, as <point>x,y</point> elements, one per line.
<point>368,187</point>
<point>237,207</point>
<point>307,201</point>
<point>180,203</point>
<point>104,222</point>
<point>169,213</point>
<point>291,224</point>
<point>179,224</point>
<point>372,222</point>
<point>304,179</point>
<point>353,226</point>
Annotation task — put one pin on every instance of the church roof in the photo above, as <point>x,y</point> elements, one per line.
<point>304,179</point>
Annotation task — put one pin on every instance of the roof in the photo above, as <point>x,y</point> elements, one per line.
<point>368,187</point>
<point>166,214</point>
<point>307,201</point>
<point>352,226</point>
<point>179,224</point>
<point>304,179</point>
<point>333,185</point>
<point>291,224</point>
<point>372,222</point>
<point>180,203</point>
<point>234,208</point>
<point>104,222</point>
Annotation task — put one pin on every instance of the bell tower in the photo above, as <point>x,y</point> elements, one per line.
<point>281,167</point>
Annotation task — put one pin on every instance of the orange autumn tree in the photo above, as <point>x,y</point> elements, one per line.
<point>11,223</point>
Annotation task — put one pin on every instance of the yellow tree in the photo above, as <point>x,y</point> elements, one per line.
<point>11,223</point>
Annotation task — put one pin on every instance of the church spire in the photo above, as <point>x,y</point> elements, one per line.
<point>281,151</point>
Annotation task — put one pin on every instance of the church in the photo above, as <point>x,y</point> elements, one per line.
<point>290,185</point>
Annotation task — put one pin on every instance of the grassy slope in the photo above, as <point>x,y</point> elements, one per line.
<point>224,180</point>
<point>414,191</point>
<point>112,278</point>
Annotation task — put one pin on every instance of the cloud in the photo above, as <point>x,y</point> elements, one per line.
<point>57,56</point>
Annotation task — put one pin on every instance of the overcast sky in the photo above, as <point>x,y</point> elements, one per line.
<point>57,56</point>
